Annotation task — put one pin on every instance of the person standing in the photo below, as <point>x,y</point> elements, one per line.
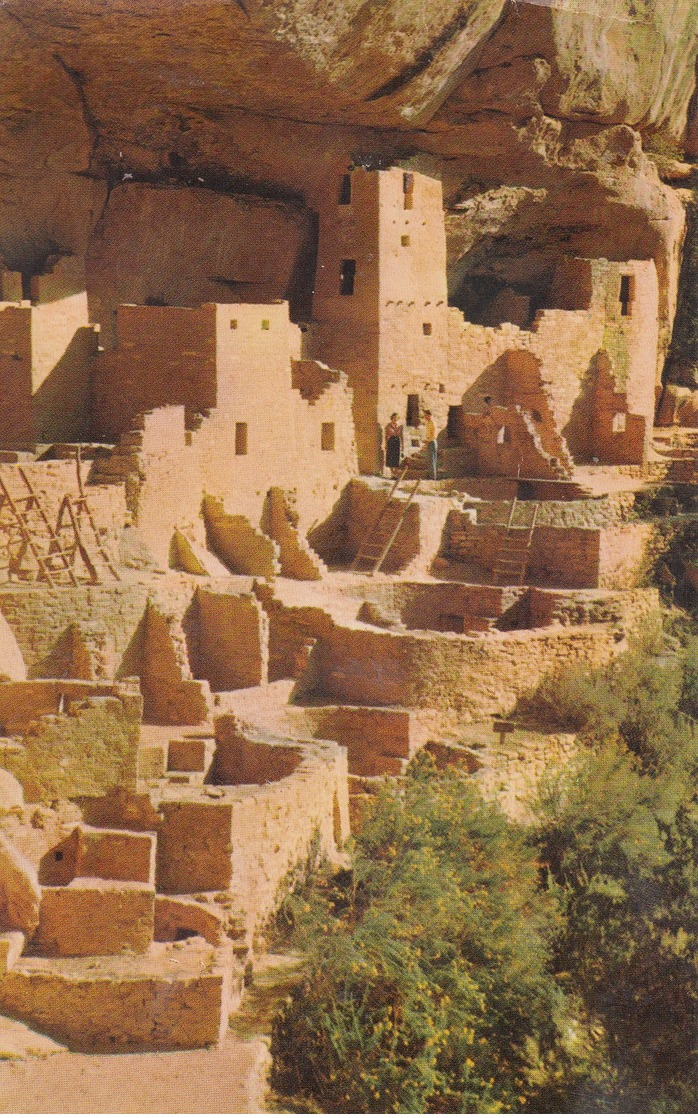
<point>393,444</point>
<point>431,444</point>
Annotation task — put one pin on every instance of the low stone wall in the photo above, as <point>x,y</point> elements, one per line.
<point>467,676</point>
<point>171,997</point>
<point>87,750</point>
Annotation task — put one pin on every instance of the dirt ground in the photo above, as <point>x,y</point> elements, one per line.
<point>216,1082</point>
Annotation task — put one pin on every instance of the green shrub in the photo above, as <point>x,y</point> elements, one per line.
<point>620,849</point>
<point>427,984</point>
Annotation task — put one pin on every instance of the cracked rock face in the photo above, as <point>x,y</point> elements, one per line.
<point>537,115</point>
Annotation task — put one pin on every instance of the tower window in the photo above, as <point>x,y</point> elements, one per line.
<point>408,189</point>
<point>241,438</point>
<point>453,421</point>
<point>627,293</point>
<point>405,240</point>
<point>233,324</point>
<point>503,436</point>
<point>347,275</point>
<point>266,324</point>
<point>345,190</point>
<point>619,423</point>
<point>426,328</point>
<point>327,436</point>
<point>413,410</point>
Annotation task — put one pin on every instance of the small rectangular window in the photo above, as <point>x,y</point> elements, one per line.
<point>347,275</point>
<point>626,294</point>
<point>413,410</point>
<point>233,324</point>
<point>453,421</point>
<point>619,423</point>
<point>265,324</point>
<point>405,240</point>
<point>408,189</point>
<point>327,436</point>
<point>426,328</point>
<point>345,190</point>
<point>241,438</point>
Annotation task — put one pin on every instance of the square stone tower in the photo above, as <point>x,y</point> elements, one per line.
<point>380,304</point>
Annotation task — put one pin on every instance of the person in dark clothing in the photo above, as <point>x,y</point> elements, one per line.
<point>393,444</point>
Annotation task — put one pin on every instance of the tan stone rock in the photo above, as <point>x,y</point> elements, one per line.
<point>20,894</point>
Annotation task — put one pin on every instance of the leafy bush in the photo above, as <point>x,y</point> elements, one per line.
<point>427,982</point>
<point>638,698</point>
<point>620,849</point>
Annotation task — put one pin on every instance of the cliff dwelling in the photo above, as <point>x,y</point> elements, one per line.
<point>229,609</point>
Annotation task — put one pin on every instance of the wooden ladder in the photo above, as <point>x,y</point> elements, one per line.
<point>20,508</point>
<point>512,562</point>
<point>382,534</point>
<point>75,508</point>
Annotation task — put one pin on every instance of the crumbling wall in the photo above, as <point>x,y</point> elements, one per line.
<point>244,549</point>
<point>470,677</point>
<point>108,617</point>
<point>171,697</point>
<point>164,356</point>
<point>88,749</point>
<point>233,640</point>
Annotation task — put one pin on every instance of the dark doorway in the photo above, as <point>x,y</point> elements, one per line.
<point>412,419</point>
<point>347,275</point>
<point>453,421</point>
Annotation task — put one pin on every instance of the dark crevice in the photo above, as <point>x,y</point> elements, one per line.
<point>79,82</point>
<point>423,59</point>
<point>243,7</point>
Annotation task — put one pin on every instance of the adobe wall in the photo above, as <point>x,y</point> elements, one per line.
<point>117,1005</point>
<point>566,339</point>
<point>46,352</point>
<point>447,675</point>
<point>283,431</point>
<point>233,640</point>
<point>572,555</point>
<point>625,555</point>
<point>249,838</point>
<point>164,356</point>
<point>428,605</point>
<point>86,751</point>
<point>564,557</point>
<point>165,486</point>
<point>16,417</point>
<point>41,619</point>
<point>247,429</point>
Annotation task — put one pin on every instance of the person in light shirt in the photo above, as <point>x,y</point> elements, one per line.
<point>431,447</point>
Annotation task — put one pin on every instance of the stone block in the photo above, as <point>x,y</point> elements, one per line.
<point>95,917</point>
<point>20,894</point>
<point>115,855</point>
<point>152,762</point>
<point>11,947</point>
<point>190,755</point>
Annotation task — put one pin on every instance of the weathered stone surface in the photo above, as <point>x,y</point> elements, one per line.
<point>271,98</point>
<point>173,996</point>
<point>20,894</point>
<point>91,916</point>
